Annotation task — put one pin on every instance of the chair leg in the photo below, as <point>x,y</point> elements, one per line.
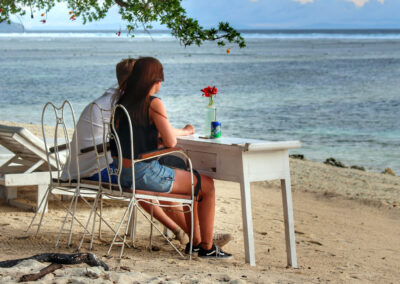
<point>42,214</point>
<point>65,220</point>
<point>128,210</point>
<point>44,205</point>
<point>94,208</point>
<point>41,192</point>
<point>159,230</point>
<point>72,205</point>
<point>76,195</point>
<point>191,207</point>
<point>131,208</point>
<point>101,216</point>
<point>132,226</point>
<point>151,229</point>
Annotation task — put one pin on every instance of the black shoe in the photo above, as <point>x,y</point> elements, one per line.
<point>214,252</point>
<point>195,249</point>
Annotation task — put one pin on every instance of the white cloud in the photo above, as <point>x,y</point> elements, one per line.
<point>304,1</point>
<point>360,3</point>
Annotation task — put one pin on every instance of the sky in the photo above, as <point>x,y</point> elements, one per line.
<point>253,14</point>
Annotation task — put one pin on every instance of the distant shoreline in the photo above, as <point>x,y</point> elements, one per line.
<point>247,34</point>
<point>244,31</point>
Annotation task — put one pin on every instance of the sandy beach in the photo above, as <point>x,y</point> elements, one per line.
<point>347,225</point>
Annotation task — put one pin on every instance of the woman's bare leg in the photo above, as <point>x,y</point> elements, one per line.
<point>173,222</point>
<point>204,211</point>
<point>160,215</point>
<point>176,214</point>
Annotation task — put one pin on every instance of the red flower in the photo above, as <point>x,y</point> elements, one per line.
<point>72,18</point>
<point>43,21</point>
<point>118,33</point>
<point>209,91</point>
<point>1,10</point>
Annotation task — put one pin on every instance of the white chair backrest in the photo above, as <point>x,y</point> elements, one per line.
<point>64,121</point>
<point>118,114</point>
<point>100,124</point>
<point>109,136</point>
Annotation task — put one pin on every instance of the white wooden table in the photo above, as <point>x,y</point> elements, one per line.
<point>244,161</point>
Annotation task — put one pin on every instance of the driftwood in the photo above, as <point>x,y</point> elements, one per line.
<point>60,258</point>
<point>48,269</point>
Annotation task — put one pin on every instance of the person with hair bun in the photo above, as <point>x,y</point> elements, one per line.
<point>88,168</point>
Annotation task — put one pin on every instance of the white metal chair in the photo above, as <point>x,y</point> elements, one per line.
<point>60,153</point>
<point>133,195</point>
<point>99,121</point>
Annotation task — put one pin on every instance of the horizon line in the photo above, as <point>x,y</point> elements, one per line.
<point>247,30</point>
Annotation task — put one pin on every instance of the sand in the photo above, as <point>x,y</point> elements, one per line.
<point>347,226</point>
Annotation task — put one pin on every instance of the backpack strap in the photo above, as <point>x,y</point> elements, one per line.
<point>178,163</point>
<point>198,185</point>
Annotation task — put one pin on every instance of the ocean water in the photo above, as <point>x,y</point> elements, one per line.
<point>339,93</point>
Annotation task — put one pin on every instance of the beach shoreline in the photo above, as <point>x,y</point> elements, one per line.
<point>37,130</point>
<point>347,225</point>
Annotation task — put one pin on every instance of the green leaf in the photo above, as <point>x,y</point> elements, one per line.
<point>137,13</point>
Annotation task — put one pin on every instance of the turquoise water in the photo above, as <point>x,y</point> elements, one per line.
<point>337,93</point>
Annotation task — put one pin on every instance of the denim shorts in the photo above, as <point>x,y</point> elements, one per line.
<point>151,176</point>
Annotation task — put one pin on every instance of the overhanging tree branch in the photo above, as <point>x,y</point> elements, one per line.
<point>120,3</point>
<point>136,13</point>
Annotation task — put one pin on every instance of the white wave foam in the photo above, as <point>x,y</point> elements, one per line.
<point>167,36</point>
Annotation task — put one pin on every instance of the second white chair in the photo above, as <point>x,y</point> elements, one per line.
<point>133,196</point>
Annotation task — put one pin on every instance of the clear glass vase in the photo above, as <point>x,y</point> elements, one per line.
<point>210,115</point>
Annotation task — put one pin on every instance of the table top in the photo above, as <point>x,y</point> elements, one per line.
<point>245,143</point>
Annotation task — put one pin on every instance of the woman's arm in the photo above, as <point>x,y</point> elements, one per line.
<point>158,115</point>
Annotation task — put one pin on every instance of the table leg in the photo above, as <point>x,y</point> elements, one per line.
<point>247,216</point>
<point>11,193</point>
<point>289,222</point>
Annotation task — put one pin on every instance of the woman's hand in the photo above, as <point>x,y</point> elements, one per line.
<point>188,129</point>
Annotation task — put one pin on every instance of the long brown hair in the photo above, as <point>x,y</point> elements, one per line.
<point>145,73</point>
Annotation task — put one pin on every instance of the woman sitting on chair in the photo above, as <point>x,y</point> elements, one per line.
<point>149,121</point>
